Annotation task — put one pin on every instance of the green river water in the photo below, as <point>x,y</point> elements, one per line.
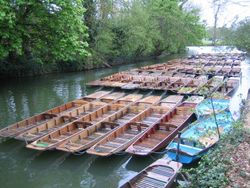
<point>21,167</point>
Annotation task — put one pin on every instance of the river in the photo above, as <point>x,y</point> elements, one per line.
<point>24,97</point>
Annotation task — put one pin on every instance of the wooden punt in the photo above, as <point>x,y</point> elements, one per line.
<point>65,109</point>
<point>122,137</point>
<point>166,84</point>
<point>160,174</point>
<point>211,69</point>
<point>212,85</point>
<point>236,70</point>
<point>195,141</point>
<point>159,135</point>
<point>55,137</point>
<point>231,86</point>
<point>57,123</point>
<point>228,89</point>
<point>225,71</point>
<point>182,82</point>
<point>193,85</point>
<point>171,101</point>
<point>95,133</point>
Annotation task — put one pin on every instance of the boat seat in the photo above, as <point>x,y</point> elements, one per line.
<point>120,140</point>
<point>92,137</point>
<point>132,132</point>
<point>149,182</point>
<point>163,171</point>
<point>98,134</point>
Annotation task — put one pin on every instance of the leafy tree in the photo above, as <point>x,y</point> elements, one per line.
<point>177,27</point>
<point>42,31</point>
<point>241,36</point>
<point>54,33</point>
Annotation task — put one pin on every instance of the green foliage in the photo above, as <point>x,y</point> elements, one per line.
<point>146,28</point>
<point>213,166</point>
<point>242,35</point>
<point>55,32</point>
<point>238,35</point>
<point>42,31</point>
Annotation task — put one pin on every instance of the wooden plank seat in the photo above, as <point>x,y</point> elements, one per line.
<point>92,137</point>
<point>104,130</point>
<point>120,140</point>
<point>133,131</point>
<point>163,171</point>
<point>158,177</point>
<point>149,182</point>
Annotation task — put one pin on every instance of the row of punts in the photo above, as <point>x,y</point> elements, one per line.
<point>180,76</point>
<point>198,85</point>
<point>110,122</point>
<point>107,123</point>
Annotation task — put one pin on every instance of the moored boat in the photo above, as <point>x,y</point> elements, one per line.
<point>212,85</point>
<point>160,174</point>
<point>91,116</point>
<point>159,135</point>
<point>95,133</point>
<point>63,110</point>
<point>198,138</point>
<point>171,101</point>
<point>228,89</point>
<point>209,106</point>
<point>193,85</point>
<point>57,123</point>
<point>125,135</point>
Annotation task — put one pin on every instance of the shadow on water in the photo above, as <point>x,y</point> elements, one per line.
<point>108,163</point>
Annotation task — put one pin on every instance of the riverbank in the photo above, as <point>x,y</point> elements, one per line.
<point>18,70</point>
<point>227,165</point>
<point>239,172</point>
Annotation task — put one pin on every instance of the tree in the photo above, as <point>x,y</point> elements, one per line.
<point>42,31</point>
<point>219,6</point>
<point>241,36</point>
